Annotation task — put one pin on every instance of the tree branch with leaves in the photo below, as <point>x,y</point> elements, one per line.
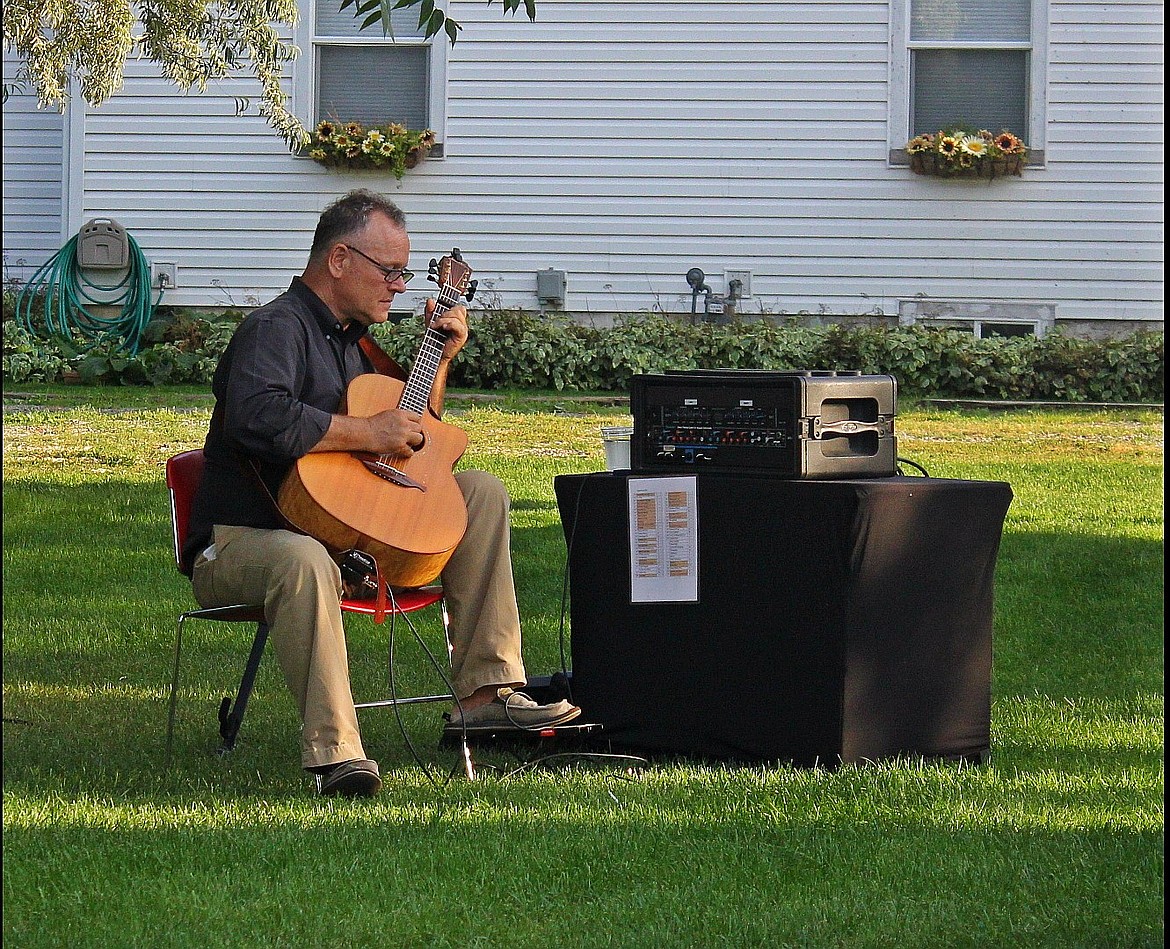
<point>193,42</point>
<point>431,18</point>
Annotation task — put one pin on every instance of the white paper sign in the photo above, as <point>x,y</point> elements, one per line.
<point>664,540</point>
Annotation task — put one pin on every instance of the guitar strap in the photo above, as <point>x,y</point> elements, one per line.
<point>379,358</point>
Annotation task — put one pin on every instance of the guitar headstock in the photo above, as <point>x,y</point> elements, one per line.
<point>452,272</point>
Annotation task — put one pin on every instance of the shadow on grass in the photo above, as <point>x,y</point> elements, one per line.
<point>92,596</point>
<point>1078,615</point>
<point>112,741</point>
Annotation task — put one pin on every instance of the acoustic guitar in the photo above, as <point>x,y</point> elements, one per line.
<point>407,512</point>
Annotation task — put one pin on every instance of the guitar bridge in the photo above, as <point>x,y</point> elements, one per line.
<point>388,472</point>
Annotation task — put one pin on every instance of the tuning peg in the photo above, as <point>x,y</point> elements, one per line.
<point>455,254</point>
<point>471,290</point>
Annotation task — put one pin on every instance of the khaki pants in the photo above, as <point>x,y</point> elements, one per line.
<point>300,587</point>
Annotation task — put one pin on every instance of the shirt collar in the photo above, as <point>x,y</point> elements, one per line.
<point>329,324</point>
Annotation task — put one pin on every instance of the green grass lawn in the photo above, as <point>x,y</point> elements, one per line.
<point>1058,842</point>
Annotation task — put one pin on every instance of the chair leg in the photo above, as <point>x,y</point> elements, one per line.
<point>231,716</point>
<point>468,765</point>
<point>464,748</point>
<point>174,684</point>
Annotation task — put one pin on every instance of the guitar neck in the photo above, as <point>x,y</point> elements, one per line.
<point>421,379</point>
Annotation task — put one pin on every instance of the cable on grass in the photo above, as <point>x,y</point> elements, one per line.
<point>912,464</point>
<point>394,613</point>
<point>540,761</point>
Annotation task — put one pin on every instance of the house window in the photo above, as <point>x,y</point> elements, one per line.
<point>976,63</point>
<point>983,329</point>
<point>368,77</point>
<point>983,318</point>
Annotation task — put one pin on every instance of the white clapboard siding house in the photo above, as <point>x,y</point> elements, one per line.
<point>618,145</point>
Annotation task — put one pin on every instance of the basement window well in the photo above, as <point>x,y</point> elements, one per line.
<point>982,318</point>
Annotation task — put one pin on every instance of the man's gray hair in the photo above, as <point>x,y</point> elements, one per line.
<point>350,214</point>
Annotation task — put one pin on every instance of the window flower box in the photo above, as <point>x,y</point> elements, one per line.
<point>958,153</point>
<point>353,146</point>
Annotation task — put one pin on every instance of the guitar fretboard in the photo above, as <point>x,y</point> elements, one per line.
<point>421,379</point>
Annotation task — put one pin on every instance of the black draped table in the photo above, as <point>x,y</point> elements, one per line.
<point>835,621</point>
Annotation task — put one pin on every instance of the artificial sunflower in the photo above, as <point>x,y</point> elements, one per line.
<point>351,145</point>
<point>959,152</point>
<point>1009,144</point>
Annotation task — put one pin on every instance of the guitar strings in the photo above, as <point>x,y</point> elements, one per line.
<point>426,364</point>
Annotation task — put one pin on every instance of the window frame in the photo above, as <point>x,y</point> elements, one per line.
<point>902,92</point>
<point>305,92</point>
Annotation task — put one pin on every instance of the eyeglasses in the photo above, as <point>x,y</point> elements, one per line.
<point>389,273</point>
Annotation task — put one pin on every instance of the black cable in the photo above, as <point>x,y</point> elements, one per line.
<point>517,725</point>
<point>438,667</point>
<point>912,464</point>
<point>446,680</point>
<point>394,691</point>
<point>572,533</point>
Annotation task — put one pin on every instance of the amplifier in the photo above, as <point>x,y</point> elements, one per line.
<point>787,424</point>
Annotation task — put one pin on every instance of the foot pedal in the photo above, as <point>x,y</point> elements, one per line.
<point>498,734</point>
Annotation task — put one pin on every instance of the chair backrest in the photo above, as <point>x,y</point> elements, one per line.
<point>184,472</point>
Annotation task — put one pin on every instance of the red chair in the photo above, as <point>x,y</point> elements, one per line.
<point>184,472</point>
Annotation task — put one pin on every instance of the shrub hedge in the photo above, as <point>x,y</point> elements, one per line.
<point>514,349</point>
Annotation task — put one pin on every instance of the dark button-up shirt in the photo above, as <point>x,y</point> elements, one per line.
<point>281,378</point>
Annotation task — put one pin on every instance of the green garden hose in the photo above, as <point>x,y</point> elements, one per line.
<point>54,303</point>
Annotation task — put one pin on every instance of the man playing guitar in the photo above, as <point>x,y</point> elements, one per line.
<point>278,389</point>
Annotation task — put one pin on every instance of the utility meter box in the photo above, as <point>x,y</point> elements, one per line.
<point>550,287</point>
<point>102,244</point>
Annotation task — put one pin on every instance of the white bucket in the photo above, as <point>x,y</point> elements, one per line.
<point>617,447</point>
